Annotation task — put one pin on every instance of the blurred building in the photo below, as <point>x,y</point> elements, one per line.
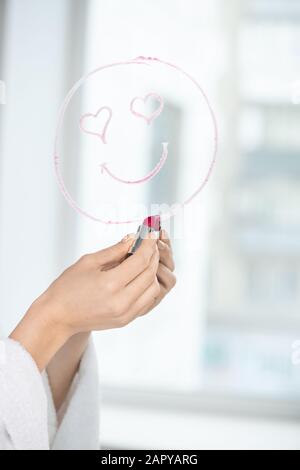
<point>254,281</point>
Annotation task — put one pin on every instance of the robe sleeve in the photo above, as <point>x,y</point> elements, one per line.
<point>23,401</point>
<point>28,420</point>
<point>76,425</point>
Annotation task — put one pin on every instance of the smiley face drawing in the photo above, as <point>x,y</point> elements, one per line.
<point>100,133</point>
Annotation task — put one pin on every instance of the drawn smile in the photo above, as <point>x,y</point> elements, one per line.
<point>148,177</point>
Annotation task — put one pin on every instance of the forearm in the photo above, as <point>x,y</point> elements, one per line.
<point>64,365</point>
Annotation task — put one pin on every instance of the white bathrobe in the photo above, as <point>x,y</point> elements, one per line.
<point>28,419</point>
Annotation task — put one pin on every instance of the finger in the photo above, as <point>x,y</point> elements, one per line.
<point>149,307</point>
<point>140,284</point>
<point>167,280</point>
<point>153,303</point>
<point>164,236</point>
<point>128,240</point>
<point>165,277</point>
<point>109,266</point>
<point>113,254</point>
<point>145,301</point>
<point>166,256</point>
<point>131,267</point>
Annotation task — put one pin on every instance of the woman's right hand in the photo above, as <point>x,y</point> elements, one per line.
<point>100,291</point>
<point>104,290</point>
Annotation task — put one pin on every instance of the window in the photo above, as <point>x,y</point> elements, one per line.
<point>229,326</point>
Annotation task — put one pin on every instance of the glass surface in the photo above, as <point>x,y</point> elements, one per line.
<point>230,324</point>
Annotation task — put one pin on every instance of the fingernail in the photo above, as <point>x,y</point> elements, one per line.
<point>127,237</point>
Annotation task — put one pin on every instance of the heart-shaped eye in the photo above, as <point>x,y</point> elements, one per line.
<point>140,102</point>
<point>96,124</point>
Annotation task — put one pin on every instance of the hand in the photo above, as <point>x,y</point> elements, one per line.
<point>91,295</point>
<point>165,272</point>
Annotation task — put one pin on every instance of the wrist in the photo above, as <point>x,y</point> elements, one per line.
<point>40,333</point>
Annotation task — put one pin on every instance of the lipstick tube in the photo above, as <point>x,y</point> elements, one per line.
<point>150,224</point>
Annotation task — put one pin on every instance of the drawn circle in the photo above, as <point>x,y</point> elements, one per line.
<point>140,61</point>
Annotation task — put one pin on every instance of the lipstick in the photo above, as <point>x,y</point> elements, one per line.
<point>149,225</point>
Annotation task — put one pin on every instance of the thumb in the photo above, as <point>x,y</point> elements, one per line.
<point>114,253</point>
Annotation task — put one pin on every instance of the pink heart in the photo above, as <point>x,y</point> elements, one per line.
<point>144,100</point>
<point>90,117</point>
